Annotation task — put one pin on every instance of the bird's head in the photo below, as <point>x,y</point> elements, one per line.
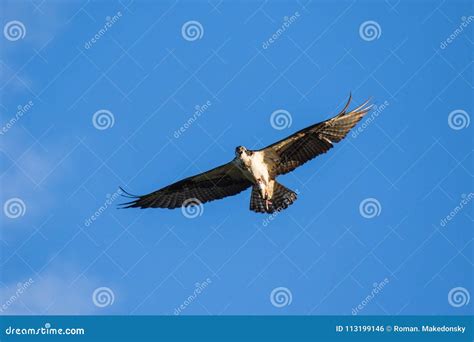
<point>239,150</point>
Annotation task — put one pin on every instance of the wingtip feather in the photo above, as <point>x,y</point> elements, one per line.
<point>343,111</point>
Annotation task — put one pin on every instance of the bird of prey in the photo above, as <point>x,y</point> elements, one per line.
<point>257,169</point>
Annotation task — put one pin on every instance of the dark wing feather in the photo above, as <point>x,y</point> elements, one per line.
<point>297,149</point>
<point>223,181</point>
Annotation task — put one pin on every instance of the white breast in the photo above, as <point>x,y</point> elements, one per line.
<point>258,167</point>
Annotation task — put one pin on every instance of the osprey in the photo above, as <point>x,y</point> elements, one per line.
<point>257,169</point>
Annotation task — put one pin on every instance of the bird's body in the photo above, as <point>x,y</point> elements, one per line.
<point>252,165</point>
<point>257,169</point>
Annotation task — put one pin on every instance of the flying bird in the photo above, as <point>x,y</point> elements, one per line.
<point>257,169</point>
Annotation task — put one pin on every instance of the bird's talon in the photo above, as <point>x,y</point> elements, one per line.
<point>268,204</point>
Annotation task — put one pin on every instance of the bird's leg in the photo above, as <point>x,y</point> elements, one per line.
<point>268,203</point>
<point>264,193</point>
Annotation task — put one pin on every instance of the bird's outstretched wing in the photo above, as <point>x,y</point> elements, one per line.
<point>223,181</point>
<point>304,145</point>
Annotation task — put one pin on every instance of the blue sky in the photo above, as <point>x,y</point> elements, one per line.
<point>327,254</point>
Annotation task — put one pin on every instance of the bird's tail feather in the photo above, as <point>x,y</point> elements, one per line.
<point>282,199</point>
